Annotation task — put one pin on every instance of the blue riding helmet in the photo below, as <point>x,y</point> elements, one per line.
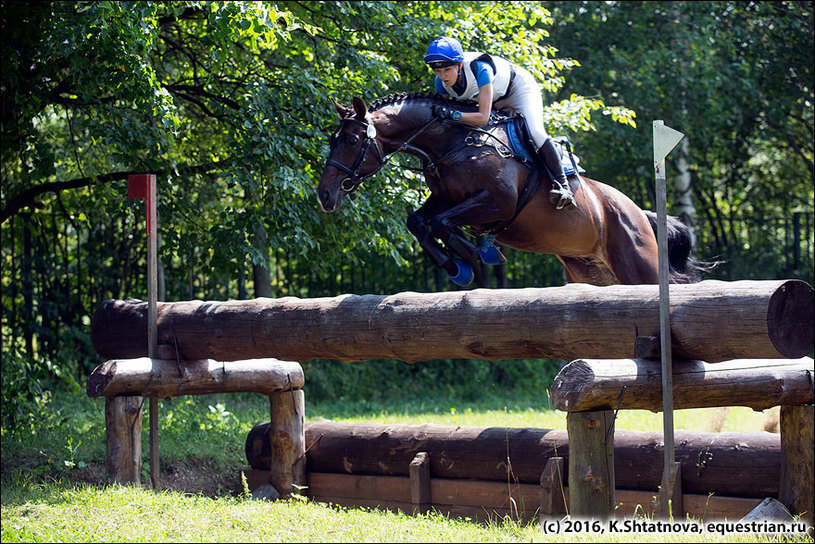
<point>444,52</point>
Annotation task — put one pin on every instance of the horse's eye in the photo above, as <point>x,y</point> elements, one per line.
<point>353,139</point>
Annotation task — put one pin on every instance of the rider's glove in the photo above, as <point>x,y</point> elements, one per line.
<point>446,113</point>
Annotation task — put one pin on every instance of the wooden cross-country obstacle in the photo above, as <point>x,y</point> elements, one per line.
<point>712,321</point>
<point>483,472</point>
<point>125,383</point>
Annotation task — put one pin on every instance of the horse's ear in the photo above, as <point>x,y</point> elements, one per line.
<point>342,110</point>
<point>360,108</point>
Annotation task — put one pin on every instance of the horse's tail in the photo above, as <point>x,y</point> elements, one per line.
<point>682,266</point>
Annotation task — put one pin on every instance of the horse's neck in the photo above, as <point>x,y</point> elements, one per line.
<point>405,123</point>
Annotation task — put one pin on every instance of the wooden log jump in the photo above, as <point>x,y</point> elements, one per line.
<point>727,464</point>
<point>125,384</point>
<point>635,384</point>
<point>712,321</point>
<point>169,378</point>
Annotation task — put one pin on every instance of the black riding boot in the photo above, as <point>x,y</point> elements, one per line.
<point>560,195</point>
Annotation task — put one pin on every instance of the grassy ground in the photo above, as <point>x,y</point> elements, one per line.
<point>53,473</point>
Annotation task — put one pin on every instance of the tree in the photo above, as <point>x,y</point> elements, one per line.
<point>737,79</point>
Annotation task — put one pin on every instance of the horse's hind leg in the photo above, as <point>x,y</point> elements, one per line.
<point>586,270</point>
<point>636,257</point>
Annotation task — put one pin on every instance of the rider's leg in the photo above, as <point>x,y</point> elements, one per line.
<point>560,195</point>
<point>526,99</point>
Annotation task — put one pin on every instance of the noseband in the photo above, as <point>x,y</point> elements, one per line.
<point>350,184</point>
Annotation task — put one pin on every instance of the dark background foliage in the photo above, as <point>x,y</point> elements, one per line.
<point>229,104</point>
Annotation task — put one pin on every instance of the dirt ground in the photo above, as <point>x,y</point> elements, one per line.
<point>193,477</point>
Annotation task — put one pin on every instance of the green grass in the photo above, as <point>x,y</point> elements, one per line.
<point>52,474</point>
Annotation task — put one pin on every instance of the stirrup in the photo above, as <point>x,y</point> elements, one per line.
<point>562,198</point>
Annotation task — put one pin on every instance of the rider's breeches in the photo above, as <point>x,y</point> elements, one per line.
<point>525,98</point>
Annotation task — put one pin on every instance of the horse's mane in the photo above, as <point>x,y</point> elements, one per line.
<point>414,96</point>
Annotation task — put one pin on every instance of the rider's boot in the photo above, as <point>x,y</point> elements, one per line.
<point>560,195</point>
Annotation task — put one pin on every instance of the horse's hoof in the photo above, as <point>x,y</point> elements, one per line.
<point>491,255</point>
<point>464,275</point>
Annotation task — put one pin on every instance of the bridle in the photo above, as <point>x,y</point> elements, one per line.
<point>350,184</point>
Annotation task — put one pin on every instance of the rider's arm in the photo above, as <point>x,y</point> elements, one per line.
<point>484,78</point>
<point>482,116</point>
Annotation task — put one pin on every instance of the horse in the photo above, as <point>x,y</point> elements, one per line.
<point>477,182</point>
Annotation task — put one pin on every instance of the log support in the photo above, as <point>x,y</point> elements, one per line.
<point>126,383</point>
<point>591,464</point>
<point>797,460</point>
<point>669,499</point>
<point>287,439</point>
<point>420,482</point>
<point>553,489</point>
<point>123,429</point>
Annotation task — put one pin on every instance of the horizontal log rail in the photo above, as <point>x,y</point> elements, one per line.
<point>711,321</point>
<point>483,500</point>
<point>635,384</point>
<point>170,378</point>
<point>720,463</point>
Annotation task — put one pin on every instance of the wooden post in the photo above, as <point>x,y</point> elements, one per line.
<point>797,481</point>
<point>287,439</point>
<point>144,186</point>
<point>123,426</point>
<point>553,496</point>
<point>591,464</point>
<point>420,482</point>
<point>670,504</point>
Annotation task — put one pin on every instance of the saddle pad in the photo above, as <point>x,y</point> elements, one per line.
<point>516,127</point>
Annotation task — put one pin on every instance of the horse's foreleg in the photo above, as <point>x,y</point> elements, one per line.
<point>479,209</point>
<point>417,224</point>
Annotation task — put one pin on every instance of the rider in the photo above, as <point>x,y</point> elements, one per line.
<point>493,81</point>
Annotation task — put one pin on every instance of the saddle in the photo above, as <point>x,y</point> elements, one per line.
<point>523,146</point>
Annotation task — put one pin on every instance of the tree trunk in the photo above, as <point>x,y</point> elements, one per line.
<point>260,271</point>
<point>684,206</point>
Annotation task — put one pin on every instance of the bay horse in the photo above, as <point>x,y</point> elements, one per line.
<point>476,181</point>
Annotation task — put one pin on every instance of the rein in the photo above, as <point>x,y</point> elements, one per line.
<point>481,138</point>
<point>350,184</point>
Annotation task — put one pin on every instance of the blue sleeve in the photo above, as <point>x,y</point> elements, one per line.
<point>440,86</point>
<point>483,74</point>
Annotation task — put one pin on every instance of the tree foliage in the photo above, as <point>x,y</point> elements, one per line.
<point>229,104</point>
<point>737,79</point>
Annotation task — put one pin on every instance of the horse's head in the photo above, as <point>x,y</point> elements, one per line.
<point>354,156</point>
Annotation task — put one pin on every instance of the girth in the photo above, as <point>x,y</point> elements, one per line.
<point>479,137</point>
